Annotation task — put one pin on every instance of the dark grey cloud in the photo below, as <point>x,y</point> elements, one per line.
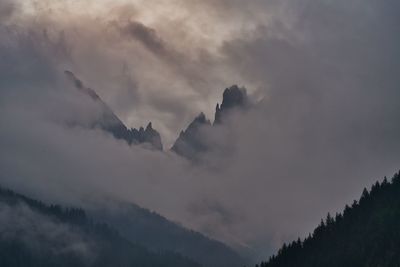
<point>329,110</point>
<point>147,36</point>
<point>325,126</point>
<point>7,9</point>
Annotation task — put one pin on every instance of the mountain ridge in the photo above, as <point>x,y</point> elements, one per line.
<point>190,142</point>
<point>112,124</point>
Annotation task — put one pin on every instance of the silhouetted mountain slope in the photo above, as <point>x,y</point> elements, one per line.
<point>34,234</point>
<point>193,141</point>
<point>233,97</point>
<point>110,122</point>
<point>365,234</point>
<point>159,234</point>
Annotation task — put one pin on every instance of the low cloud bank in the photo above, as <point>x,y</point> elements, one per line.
<point>325,124</point>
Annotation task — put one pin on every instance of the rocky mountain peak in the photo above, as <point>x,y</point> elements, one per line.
<point>233,97</point>
<point>192,141</point>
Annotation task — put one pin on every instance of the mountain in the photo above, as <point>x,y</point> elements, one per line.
<point>35,234</point>
<point>156,233</point>
<point>192,141</point>
<point>367,233</point>
<point>109,122</point>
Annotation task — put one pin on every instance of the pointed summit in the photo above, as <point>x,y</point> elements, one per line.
<point>201,118</point>
<point>153,137</point>
<point>233,97</point>
<point>190,141</point>
<point>193,141</point>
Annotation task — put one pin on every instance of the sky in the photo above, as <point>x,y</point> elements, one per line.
<point>323,76</point>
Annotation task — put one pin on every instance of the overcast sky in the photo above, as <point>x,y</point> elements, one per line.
<point>324,76</point>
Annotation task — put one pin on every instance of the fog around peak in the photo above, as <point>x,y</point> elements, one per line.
<point>321,76</point>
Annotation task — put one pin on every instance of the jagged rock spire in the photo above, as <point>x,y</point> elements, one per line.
<point>233,97</point>
<point>192,141</point>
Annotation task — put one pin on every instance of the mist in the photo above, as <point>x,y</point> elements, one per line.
<point>324,124</point>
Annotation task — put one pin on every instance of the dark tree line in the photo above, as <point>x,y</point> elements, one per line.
<point>367,234</point>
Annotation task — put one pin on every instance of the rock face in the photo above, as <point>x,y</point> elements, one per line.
<point>233,97</point>
<point>192,142</point>
<point>110,122</point>
<point>148,135</point>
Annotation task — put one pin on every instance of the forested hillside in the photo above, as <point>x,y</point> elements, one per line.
<point>367,234</point>
<point>156,233</point>
<point>35,234</point>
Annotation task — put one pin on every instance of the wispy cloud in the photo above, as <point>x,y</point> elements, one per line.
<point>326,127</point>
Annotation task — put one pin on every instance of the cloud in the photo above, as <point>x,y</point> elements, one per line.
<point>7,9</point>
<point>147,36</point>
<point>327,124</point>
<point>41,233</point>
